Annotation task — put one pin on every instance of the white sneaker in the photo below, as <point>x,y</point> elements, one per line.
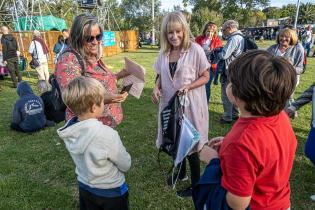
<point>313,197</point>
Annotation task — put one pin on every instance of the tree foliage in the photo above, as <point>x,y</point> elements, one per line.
<point>201,16</point>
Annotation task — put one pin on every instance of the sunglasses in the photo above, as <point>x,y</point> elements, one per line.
<point>90,39</point>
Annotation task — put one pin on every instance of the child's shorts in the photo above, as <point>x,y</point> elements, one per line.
<point>89,200</point>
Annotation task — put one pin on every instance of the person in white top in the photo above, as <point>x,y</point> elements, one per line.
<point>39,50</point>
<point>307,39</point>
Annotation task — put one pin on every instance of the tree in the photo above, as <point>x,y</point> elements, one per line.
<point>272,12</point>
<point>137,14</point>
<point>307,13</point>
<point>201,16</point>
<point>257,18</point>
<point>212,5</point>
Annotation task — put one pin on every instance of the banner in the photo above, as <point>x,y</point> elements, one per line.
<point>109,38</point>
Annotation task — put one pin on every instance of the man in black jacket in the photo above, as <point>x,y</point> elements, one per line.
<point>10,58</point>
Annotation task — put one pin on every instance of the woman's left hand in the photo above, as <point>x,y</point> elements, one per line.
<point>117,98</point>
<point>184,89</point>
<point>123,73</point>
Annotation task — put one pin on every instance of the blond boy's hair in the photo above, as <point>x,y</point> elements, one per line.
<point>82,93</point>
<point>168,22</point>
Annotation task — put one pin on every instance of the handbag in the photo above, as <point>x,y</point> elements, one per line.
<point>34,62</point>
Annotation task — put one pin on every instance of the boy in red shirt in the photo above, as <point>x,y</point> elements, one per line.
<point>256,156</point>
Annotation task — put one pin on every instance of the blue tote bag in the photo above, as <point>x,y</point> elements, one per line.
<point>309,148</point>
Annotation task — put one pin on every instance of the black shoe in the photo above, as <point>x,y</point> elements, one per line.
<point>223,121</point>
<point>171,183</point>
<point>184,193</point>
<point>234,118</point>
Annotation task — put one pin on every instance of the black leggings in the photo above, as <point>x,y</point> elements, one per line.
<point>194,164</point>
<point>89,201</point>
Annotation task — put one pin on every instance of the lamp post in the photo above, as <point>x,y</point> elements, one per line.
<point>297,13</point>
<point>153,30</point>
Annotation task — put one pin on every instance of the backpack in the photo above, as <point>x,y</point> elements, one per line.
<point>249,43</point>
<point>55,93</point>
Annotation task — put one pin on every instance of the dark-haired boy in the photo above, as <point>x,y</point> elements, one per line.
<point>256,156</point>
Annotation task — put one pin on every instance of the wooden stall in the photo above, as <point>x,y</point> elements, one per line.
<point>125,41</point>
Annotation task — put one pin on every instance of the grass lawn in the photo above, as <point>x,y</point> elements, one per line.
<point>36,171</point>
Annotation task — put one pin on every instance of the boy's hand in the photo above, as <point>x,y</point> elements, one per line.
<point>291,111</point>
<point>215,143</point>
<point>207,154</point>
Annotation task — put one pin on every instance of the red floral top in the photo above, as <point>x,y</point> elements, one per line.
<point>68,67</point>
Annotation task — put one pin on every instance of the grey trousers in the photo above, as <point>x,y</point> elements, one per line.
<point>230,110</point>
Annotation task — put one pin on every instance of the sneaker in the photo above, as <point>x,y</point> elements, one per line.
<point>170,182</point>
<point>184,193</point>
<point>313,197</point>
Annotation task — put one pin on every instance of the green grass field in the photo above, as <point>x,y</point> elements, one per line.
<point>36,171</point>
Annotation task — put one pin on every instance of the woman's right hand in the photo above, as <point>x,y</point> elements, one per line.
<point>156,93</point>
<point>117,98</point>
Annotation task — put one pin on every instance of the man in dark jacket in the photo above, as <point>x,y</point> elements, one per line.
<point>28,112</point>
<point>10,58</point>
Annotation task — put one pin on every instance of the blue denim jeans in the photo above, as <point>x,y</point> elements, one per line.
<point>208,85</point>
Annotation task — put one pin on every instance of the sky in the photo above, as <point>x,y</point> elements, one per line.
<point>168,4</point>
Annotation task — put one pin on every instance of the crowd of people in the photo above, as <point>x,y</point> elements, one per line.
<point>253,162</point>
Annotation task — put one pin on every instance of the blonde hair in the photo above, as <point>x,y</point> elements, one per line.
<point>289,33</point>
<point>168,22</point>
<point>82,93</point>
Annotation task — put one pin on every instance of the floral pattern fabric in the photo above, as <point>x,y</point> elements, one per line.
<point>68,67</point>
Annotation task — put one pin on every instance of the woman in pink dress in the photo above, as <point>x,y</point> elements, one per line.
<point>85,45</point>
<point>182,65</point>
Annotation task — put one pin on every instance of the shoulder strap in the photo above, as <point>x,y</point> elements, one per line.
<point>35,49</point>
<point>79,58</point>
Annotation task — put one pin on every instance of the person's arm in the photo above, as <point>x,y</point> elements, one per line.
<point>236,202</point>
<point>156,93</point>
<point>156,90</point>
<point>203,79</point>
<point>229,48</point>
<point>16,115</point>
<point>4,50</point>
<point>117,153</point>
<point>121,74</point>
<point>299,59</point>
<point>304,98</point>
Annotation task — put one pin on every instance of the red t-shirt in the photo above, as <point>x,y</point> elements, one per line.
<point>256,160</point>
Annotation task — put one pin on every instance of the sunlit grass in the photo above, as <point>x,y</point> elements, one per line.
<point>36,171</point>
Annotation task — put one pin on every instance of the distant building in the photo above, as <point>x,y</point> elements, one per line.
<point>278,22</point>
